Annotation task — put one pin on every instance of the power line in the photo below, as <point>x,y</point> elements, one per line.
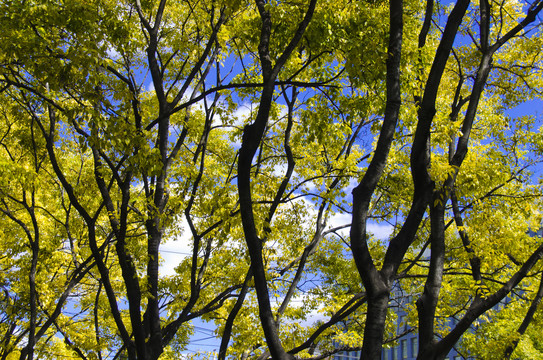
<point>203,339</point>
<point>203,329</point>
<point>175,252</point>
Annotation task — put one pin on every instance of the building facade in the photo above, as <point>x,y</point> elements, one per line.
<point>407,346</point>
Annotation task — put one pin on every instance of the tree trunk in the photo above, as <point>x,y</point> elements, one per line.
<point>375,326</point>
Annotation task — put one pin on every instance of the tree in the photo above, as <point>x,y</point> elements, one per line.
<point>433,179</point>
<point>70,71</point>
<point>134,114</point>
<point>430,191</point>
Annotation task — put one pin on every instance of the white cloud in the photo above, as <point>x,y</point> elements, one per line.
<point>379,230</point>
<point>112,53</point>
<point>173,251</point>
<point>353,182</point>
<point>340,219</point>
<point>242,113</point>
<point>280,170</point>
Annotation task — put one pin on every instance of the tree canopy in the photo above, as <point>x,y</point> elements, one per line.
<point>272,137</point>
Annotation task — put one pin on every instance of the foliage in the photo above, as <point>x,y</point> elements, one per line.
<point>269,138</point>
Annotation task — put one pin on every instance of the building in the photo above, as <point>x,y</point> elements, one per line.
<point>407,346</point>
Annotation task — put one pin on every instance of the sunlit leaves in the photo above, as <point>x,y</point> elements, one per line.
<point>111,133</point>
